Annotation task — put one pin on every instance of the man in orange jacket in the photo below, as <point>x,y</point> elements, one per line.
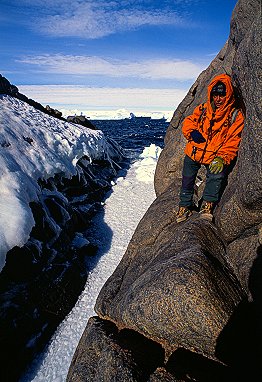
<point>213,134</point>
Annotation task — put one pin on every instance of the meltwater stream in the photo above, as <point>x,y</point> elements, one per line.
<point>112,230</point>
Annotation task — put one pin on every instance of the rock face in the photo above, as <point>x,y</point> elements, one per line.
<point>193,288</point>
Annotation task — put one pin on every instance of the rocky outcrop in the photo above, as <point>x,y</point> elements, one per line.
<point>7,88</point>
<point>193,288</point>
<point>41,281</point>
<point>80,120</point>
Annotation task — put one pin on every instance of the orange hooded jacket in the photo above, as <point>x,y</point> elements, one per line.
<point>221,134</point>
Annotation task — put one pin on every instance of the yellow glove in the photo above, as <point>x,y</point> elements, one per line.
<point>217,165</point>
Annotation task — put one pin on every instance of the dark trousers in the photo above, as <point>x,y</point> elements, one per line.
<point>213,186</point>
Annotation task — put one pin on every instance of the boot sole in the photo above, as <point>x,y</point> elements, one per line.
<point>206,216</point>
<point>183,218</point>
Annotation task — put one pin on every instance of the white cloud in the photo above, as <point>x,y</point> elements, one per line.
<point>85,98</point>
<point>96,23</point>
<point>96,19</point>
<point>87,65</point>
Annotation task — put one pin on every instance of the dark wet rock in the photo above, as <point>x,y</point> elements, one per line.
<point>195,288</point>
<point>42,280</point>
<point>80,120</point>
<point>6,87</point>
<point>25,263</point>
<point>56,113</point>
<point>5,143</point>
<point>28,140</point>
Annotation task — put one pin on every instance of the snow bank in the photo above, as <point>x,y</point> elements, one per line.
<point>34,145</point>
<point>145,170</point>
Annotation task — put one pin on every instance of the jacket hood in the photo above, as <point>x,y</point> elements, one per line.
<point>230,99</point>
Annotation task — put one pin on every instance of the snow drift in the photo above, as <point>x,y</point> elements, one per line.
<point>36,146</point>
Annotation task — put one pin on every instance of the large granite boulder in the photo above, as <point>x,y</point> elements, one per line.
<point>194,288</point>
<point>178,293</point>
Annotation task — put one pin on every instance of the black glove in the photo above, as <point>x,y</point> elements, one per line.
<point>197,136</point>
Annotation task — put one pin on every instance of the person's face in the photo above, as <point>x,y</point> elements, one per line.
<point>219,100</point>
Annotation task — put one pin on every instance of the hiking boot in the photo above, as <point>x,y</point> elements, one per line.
<point>182,214</point>
<point>206,211</point>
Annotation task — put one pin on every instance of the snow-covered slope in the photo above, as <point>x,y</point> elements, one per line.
<point>34,145</point>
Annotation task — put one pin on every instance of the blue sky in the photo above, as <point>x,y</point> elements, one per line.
<point>78,45</point>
